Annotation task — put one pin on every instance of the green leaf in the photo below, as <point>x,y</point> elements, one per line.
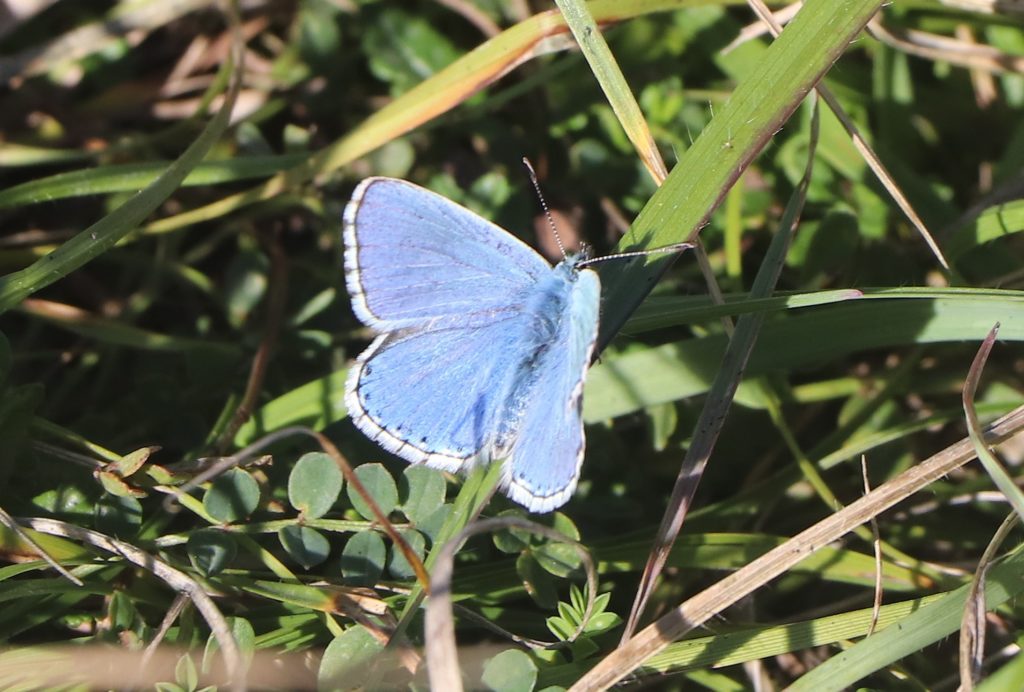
<point>405,49</point>
<point>560,627</point>
<point>245,638</point>
<point>185,673</point>
<point>210,550</point>
<point>510,671</point>
<point>558,558</point>
<point>314,404</point>
<point>381,487</point>
<point>1000,221</point>
<point>314,484</point>
<point>307,546</point>
<point>662,420</point>
<point>602,622</point>
<point>245,284</point>
<point>511,540</point>
<point>119,516</point>
<point>121,611</point>
<point>232,496</point>
<point>398,566</point>
<point>583,647</point>
<point>363,558</point>
<point>319,39</point>
<point>538,582</point>
<point>169,687</point>
<point>326,598</point>
<point>347,660</point>
<point>133,461</point>
<point>423,489</point>
<point>432,525</point>
<point>114,485</point>
<point>1009,677</point>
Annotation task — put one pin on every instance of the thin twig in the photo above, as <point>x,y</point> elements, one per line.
<point>876,544</point>
<point>176,579</point>
<point>8,521</point>
<point>442,654</point>
<point>972,627</point>
<point>178,605</point>
<point>740,584</point>
<point>949,50</point>
<point>276,303</point>
<point>330,449</point>
<point>862,146</point>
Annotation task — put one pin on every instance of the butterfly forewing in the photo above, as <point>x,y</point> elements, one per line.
<point>413,257</point>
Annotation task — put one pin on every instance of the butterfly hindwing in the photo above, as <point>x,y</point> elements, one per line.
<point>413,257</point>
<point>436,396</point>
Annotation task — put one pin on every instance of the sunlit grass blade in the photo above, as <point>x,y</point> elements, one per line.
<point>105,233</point>
<point>757,109</point>
<point>435,96</point>
<point>995,469</point>
<point>626,383</point>
<point>720,396</point>
<point>613,83</point>
<point>938,619</point>
<point>133,176</point>
<point>700,608</point>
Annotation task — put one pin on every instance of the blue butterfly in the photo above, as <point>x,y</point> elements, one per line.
<point>482,347</point>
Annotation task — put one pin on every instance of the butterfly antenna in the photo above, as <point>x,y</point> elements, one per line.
<point>674,247</point>
<point>544,205</point>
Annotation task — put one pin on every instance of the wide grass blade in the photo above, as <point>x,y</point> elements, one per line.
<point>756,110</point>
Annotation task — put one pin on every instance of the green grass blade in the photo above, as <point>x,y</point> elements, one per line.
<point>995,222</point>
<point>132,176</point>
<point>105,233</point>
<point>624,384</point>
<point>613,83</point>
<point>913,633</point>
<point>757,109</point>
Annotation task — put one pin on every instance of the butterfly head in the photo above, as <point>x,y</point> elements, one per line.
<point>575,262</point>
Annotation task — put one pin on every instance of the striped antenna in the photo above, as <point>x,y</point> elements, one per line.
<point>674,247</point>
<point>547,212</point>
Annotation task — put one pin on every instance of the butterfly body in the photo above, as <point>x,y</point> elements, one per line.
<point>482,347</point>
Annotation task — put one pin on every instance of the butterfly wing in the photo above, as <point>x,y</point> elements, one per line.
<point>437,396</point>
<point>543,465</point>
<point>413,258</point>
